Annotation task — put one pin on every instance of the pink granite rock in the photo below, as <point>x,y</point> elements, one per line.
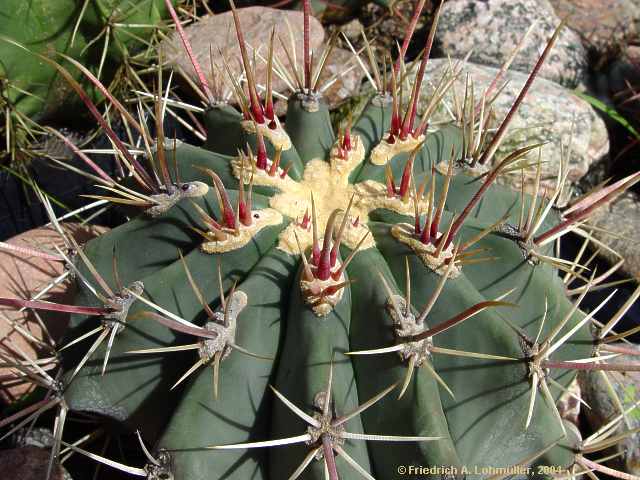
<point>22,275</point>
<point>216,35</point>
<point>27,463</point>
<point>600,23</point>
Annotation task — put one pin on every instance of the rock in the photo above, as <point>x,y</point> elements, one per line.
<point>217,32</point>
<point>549,113</point>
<point>603,407</point>
<point>492,28</point>
<point>20,276</point>
<point>346,85</point>
<point>600,23</point>
<point>39,437</point>
<point>622,218</point>
<point>568,403</point>
<point>28,463</point>
<point>29,442</point>
<point>633,53</point>
<point>352,29</point>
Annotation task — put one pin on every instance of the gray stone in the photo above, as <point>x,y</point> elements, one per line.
<point>603,409</point>
<point>622,218</point>
<point>347,84</point>
<point>33,437</point>
<point>490,29</point>
<point>549,113</point>
<point>29,463</point>
<point>344,74</point>
<point>568,403</point>
<point>352,29</point>
<point>600,23</point>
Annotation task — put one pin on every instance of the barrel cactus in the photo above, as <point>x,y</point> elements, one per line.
<point>292,302</point>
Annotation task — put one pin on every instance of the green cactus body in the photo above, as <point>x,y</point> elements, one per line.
<point>436,325</point>
<point>125,243</point>
<point>225,117</point>
<point>310,346</point>
<point>482,426</point>
<point>419,411</point>
<point>303,121</point>
<point>492,383</point>
<point>129,394</point>
<point>242,409</point>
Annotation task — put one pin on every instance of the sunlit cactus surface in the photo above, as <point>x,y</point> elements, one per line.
<point>293,301</point>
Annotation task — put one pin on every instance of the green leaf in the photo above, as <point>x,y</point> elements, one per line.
<point>609,111</point>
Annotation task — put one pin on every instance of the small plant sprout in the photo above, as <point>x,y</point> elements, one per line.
<point>326,432</point>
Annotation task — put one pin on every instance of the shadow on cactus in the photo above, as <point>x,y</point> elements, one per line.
<point>294,303</point>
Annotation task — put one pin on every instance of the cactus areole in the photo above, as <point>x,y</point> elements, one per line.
<point>366,303</point>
